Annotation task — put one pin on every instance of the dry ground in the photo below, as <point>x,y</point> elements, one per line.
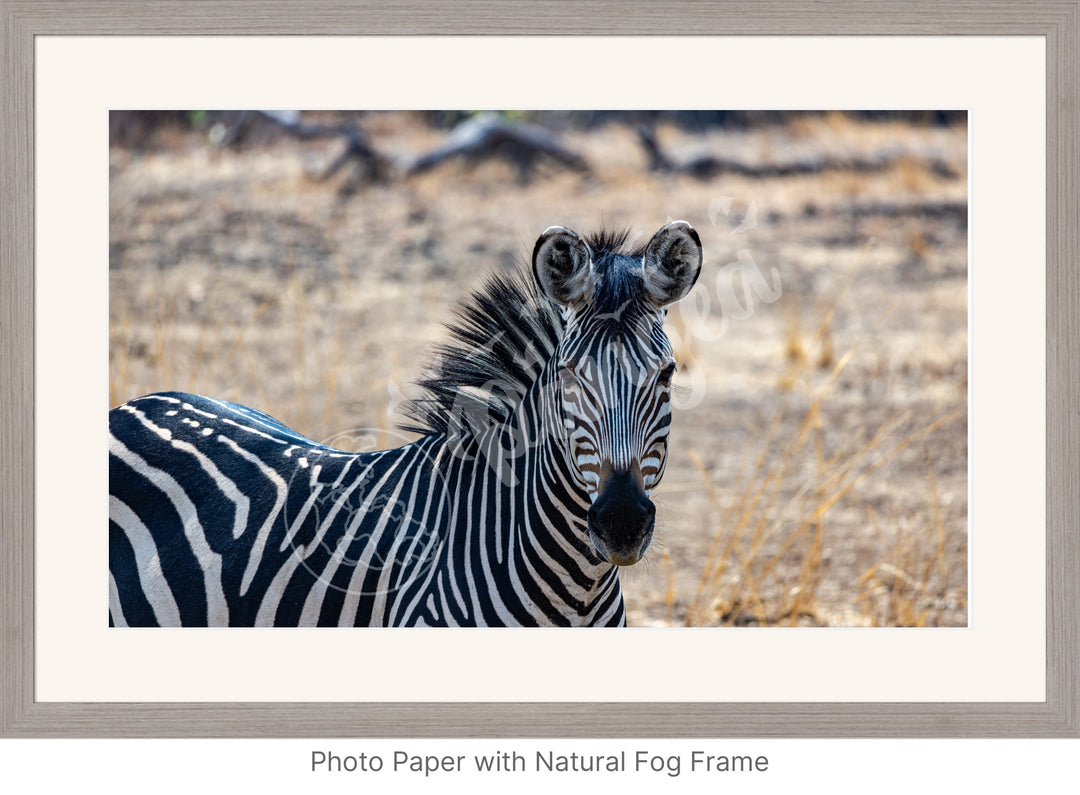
<point>818,465</point>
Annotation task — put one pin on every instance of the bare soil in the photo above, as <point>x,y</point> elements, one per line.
<point>832,307</point>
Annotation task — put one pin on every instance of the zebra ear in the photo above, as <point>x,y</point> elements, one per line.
<point>562,263</point>
<point>672,263</point>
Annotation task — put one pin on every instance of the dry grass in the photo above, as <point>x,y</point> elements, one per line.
<point>776,514</point>
<point>779,511</point>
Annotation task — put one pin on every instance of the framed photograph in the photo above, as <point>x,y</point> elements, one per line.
<point>865,525</point>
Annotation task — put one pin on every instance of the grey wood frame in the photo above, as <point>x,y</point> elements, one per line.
<point>21,716</point>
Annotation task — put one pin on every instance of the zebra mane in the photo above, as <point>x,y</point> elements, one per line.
<point>501,338</point>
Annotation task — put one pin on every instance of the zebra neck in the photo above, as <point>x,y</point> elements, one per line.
<point>512,523</point>
<point>542,479</point>
<point>517,517</point>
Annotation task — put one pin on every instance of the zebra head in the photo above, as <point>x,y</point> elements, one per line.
<point>614,367</point>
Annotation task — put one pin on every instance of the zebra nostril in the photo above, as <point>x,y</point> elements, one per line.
<point>622,508</point>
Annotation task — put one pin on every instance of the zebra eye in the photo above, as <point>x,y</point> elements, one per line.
<point>568,379</point>
<point>571,370</point>
<point>664,379</point>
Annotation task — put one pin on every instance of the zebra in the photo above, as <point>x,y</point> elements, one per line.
<point>543,429</point>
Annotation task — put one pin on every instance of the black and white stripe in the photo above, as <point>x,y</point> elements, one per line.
<point>543,431</point>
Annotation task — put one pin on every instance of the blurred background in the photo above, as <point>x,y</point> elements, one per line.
<point>304,262</point>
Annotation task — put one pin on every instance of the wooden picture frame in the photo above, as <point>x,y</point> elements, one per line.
<point>22,716</point>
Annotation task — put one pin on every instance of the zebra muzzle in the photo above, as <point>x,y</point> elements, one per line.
<point>621,520</point>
